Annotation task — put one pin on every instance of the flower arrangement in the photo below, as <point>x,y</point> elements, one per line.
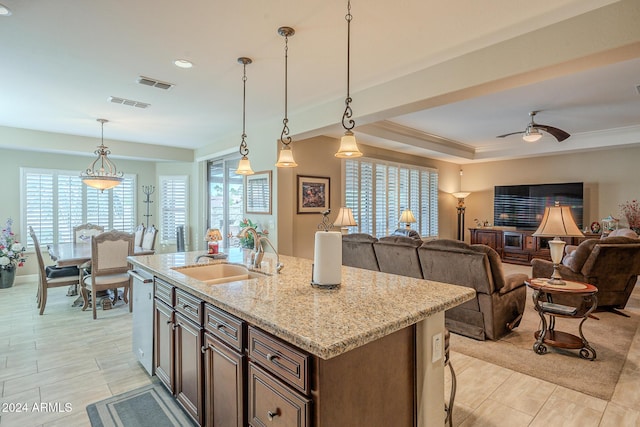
<point>247,241</point>
<point>631,211</point>
<point>11,251</point>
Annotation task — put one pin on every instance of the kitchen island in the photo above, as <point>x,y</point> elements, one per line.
<point>373,346</point>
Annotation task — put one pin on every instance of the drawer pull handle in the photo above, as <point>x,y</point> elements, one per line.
<point>219,326</point>
<point>271,357</point>
<point>204,349</point>
<point>272,415</point>
<point>188,308</point>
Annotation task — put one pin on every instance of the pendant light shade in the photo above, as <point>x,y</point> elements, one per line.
<point>348,145</point>
<point>532,135</point>
<point>285,158</point>
<point>102,174</point>
<point>244,166</point>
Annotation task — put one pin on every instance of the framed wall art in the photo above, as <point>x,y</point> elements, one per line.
<point>313,194</point>
<point>257,193</point>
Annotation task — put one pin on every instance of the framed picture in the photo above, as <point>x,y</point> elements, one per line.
<point>257,193</point>
<point>313,194</point>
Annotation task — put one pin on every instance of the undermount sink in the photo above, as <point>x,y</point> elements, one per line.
<point>217,273</point>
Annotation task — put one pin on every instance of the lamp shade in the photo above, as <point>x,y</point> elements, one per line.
<point>285,159</point>
<point>460,194</point>
<point>213,235</point>
<point>558,222</point>
<point>532,135</point>
<point>407,216</point>
<point>348,146</point>
<point>244,167</point>
<point>345,218</point>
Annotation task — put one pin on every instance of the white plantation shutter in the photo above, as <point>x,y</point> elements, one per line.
<point>173,206</point>
<point>55,201</point>
<point>379,191</point>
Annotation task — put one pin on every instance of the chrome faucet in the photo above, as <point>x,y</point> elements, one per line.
<point>258,251</point>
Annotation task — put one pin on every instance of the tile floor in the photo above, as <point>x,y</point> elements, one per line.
<point>67,361</point>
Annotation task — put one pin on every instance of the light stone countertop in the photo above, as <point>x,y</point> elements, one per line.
<point>367,306</point>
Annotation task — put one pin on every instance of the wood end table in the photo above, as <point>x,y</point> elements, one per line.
<point>543,293</point>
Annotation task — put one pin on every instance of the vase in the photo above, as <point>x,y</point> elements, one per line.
<point>7,276</point>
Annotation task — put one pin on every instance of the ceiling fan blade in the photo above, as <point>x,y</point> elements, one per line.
<point>508,134</point>
<point>559,134</point>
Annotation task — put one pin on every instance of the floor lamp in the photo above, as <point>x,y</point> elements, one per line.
<point>460,208</point>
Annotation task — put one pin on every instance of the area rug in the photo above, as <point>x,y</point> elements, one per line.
<point>610,336</point>
<point>149,406</point>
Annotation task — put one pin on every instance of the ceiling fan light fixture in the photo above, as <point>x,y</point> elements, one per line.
<point>532,135</point>
<point>4,10</point>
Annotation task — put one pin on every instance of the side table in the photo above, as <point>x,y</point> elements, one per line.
<point>543,293</point>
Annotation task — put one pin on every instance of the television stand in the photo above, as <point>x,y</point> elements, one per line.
<point>520,246</point>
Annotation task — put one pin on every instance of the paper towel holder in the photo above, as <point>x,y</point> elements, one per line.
<point>322,285</point>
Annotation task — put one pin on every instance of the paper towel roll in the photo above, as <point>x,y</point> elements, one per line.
<point>327,258</point>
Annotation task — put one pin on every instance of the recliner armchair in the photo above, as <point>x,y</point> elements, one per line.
<point>398,255</point>
<point>500,300</point>
<point>611,264</point>
<point>357,251</point>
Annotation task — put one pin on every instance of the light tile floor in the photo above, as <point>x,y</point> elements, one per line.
<point>66,358</point>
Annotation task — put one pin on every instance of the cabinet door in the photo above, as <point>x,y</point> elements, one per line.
<point>188,366</point>
<point>225,372</point>
<point>163,343</point>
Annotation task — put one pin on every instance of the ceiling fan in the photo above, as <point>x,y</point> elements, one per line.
<point>532,132</point>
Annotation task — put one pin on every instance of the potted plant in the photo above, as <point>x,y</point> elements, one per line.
<point>11,255</point>
<point>247,241</point>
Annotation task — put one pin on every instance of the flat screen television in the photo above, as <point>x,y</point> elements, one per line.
<point>522,206</point>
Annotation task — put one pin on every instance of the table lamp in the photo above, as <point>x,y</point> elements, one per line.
<point>408,218</point>
<point>212,237</point>
<point>344,220</point>
<point>557,222</point>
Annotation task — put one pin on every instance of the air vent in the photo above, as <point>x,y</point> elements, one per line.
<point>147,81</point>
<point>128,102</point>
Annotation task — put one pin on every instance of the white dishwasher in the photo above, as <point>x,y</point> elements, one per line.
<point>142,337</point>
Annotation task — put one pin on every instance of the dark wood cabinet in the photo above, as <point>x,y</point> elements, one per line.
<point>188,366</point>
<point>519,246</point>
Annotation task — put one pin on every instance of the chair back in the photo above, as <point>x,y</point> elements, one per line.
<point>36,245</point>
<point>138,235</point>
<point>83,233</point>
<point>149,238</point>
<point>109,252</point>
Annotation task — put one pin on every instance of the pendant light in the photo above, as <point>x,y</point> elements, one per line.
<point>348,146</point>
<point>285,158</point>
<point>106,176</point>
<point>244,167</point>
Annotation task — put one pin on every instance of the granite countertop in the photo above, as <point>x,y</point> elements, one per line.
<point>367,306</point>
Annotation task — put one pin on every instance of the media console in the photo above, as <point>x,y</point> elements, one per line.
<point>520,246</point>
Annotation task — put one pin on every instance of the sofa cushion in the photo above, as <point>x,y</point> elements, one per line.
<point>398,255</point>
<point>357,251</point>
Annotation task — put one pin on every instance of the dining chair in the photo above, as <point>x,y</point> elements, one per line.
<point>149,239</point>
<point>138,235</point>
<point>44,282</point>
<point>109,267</point>
<point>82,233</point>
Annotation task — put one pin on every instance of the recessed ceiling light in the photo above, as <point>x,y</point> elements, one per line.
<point>183,63</point>
<point>4,10</point>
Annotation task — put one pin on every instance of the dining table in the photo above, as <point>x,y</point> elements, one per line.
<point>78,254</point>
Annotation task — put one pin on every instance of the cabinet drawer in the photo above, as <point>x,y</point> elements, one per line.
<point>189,306</point>
<point>229,329</point>
<point>163,291</point>
<point>271,403</point>
<point>285,361</point>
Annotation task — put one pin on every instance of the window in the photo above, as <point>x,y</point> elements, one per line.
<point>174,191</point>
<point>379,191</point>
<point>55,201</point>
<point>226,198</point>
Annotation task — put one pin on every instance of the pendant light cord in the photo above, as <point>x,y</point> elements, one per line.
<point>347,122</point>
<point>285,139</point>
<point>244,151</point>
